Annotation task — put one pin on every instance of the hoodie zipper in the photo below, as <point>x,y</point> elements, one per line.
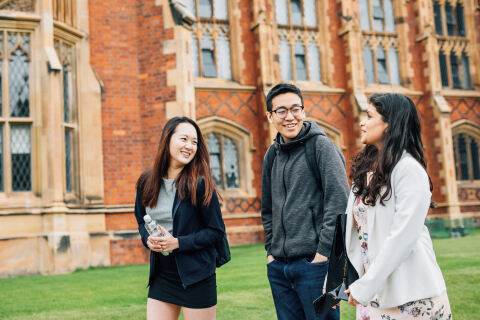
<point>283,206</point>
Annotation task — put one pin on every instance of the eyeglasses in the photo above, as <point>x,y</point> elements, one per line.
<point>282,112</point>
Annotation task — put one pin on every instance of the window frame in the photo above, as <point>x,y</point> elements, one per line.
<point>73,125</point>
<point>470,131</point>
<point>243,140</point>
<point>6,120</point>
<point>452,45</point>
<point>305,35</point>
<point>198,31</point>
<point>384,40</point>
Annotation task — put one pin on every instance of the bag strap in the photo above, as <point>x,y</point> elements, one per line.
<point>311,155</point>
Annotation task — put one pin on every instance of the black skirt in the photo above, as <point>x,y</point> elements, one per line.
<point>166,286</point>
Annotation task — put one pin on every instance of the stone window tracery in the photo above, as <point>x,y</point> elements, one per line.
<point>452,43</point>
<point>299,40</point>
<point>211,39</point>
<point>380,42</point>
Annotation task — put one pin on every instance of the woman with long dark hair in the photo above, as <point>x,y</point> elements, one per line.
<point>386,238</point>
<point>178,193</point>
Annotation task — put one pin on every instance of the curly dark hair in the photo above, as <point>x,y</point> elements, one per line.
<point>402,133</point>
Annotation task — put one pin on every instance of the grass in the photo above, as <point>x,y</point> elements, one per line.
<point>120,292</point>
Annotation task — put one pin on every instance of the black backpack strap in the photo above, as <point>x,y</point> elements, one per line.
<point>311,154</point>
<point>270,156</point>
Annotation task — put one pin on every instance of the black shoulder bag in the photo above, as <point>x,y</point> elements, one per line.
<point>341,273</point>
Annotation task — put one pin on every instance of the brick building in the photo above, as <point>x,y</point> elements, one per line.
<point>88,85</point>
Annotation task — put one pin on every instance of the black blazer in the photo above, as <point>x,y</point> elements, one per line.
<point>197,228</point>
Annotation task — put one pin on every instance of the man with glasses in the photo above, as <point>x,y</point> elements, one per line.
<point>304,188</point>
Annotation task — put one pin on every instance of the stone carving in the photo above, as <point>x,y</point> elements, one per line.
<point>18,5</point>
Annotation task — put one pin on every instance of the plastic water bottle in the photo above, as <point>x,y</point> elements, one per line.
<point>153,229</point>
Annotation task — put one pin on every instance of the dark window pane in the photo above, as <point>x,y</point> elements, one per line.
<point>455,72</point>
<point>438,17</point>
<point>450,19</point>
<point>209,68</point>
<point>300,66</point>
<point>296,9</point>
<point>205,10</point>
<point>462,152</point>
<point>475,160</point>
<point>21,157</point>
<point>230,162</point>
<point>467,81</point>
<point>19,84</point>
<point>68,160</point>
<point>443,68</point>
<point>455,159</point>
<point>368,63</point>
<point>460,20</point>
<point>213,145</point>
<point>382,66</point>
<point>1,158</point>
<point>66,94</point>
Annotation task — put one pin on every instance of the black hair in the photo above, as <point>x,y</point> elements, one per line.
<point>402,133</point>
<point>279,89</point>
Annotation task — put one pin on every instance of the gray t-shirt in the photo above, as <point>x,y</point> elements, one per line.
<point>162,213</point>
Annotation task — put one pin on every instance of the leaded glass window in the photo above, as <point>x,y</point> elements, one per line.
<point>443,68</point>
<point>65,52</point>
<point>299,54</point>
<point>224,163</point>
<point>378,13</point>
<point>21,149</point>
<point>15,114</point>
<point>368,63</point>
<point>449,19</point>
<point>467,80</point>
<point>380,45</point>
<point>467,162</point>
<point>455,71</point>
<point>211,39</point>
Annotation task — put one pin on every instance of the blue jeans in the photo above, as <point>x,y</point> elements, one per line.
<point>295,284</point>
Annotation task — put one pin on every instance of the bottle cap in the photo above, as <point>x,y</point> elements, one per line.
<point>147,218</point>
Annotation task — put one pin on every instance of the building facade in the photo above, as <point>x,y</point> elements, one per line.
<point>87,86</point>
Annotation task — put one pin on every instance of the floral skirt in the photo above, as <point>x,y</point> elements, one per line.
<point>436,308</point>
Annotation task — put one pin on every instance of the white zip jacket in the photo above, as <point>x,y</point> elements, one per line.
<point>403,265</point>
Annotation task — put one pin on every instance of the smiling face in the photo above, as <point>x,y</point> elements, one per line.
<point>183,145</point>
<point>290,126</point>
<point>373,128</point>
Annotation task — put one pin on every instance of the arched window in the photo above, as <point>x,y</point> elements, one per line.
<point>467,162</point>
<point>230,147</point>
<point>223,161</point>
<point>299,54</point>
<point>211,39</point>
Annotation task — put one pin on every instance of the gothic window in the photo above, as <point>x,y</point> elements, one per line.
<point>223,161</point>
<point>453,44</point>
<point>15,112</point>
<point>211,39</point>
<point>299,55</point>
<point>380,42</point>
<point>65,52</point>
<point>467,162</point>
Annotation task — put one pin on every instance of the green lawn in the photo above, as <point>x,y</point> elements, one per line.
<point>120,292</point>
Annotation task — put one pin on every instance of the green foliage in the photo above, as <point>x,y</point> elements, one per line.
<point>244,293</point>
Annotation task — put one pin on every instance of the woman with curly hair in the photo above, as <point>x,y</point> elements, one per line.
<point>386,238</point>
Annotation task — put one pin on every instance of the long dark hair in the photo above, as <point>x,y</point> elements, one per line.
<point>402,133</point>
<point>186,183</point>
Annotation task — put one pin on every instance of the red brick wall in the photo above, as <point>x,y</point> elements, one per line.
<point>128,252</point>
<point>120,221</point>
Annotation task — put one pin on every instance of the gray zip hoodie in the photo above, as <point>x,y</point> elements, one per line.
<point>298,217</point>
